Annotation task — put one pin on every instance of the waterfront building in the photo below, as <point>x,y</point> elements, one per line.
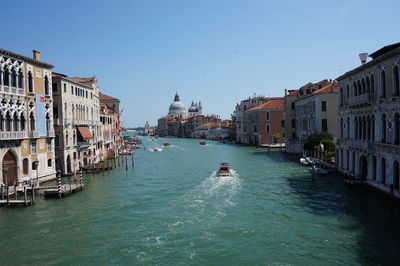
<point>264,122</point>
<point>26,120</point>
<point>241,120</point>
<point>162,126</point>
<point>258,119</point>
<point>76,121</point>
<point>310,109</point>
<point>368,147</point>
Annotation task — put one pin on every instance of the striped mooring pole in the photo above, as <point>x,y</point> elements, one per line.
<point>59,183</point>
<point>81,177</point>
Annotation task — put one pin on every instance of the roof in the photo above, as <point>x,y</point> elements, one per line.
<point>211,124</point>
<point>271,104</point>
<point>384,50</point>
<point>55,74</point>
<point>25,58</point>
<point>331,88</point>
<point>83,80</point>
<point>293,93</point>
<point>105,97</point>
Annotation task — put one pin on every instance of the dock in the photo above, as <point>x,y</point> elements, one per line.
<point>63,191</point>
<point>9,196</point>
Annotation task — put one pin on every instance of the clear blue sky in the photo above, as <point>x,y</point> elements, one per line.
<point>219,52</point>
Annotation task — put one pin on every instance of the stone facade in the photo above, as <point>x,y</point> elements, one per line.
<point>369,109</point>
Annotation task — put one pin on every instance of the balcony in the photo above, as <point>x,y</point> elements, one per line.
<point>34,134</point>
<point>67,121</point>
<point>388,148</point>
<point>361,100</point>
<point>367,146</point>
<point>51,134</point>
<point>83,145</point>
<point>12,135</point>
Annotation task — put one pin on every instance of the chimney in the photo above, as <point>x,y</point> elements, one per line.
<point>363,58</point>
<point>36,55</point>
<point>285,92</point>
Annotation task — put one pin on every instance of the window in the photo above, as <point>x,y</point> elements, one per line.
<point>293,123</point>
<point>54,87</point>
<point>323,106</point>
<point>49,163</point>
<point>46,85</point>
<point>255,129</point>
<point>72,90</point>
<point>65,88</point>
<point>324,125</point>
<point>57,141</point>
<point>267,115</point>
<point>86,94</point>
<point>292,106</point>
<point>20,79</point>
<point>91,95</point>
<point>25,166</point>
<point>33,148</point>
<point>34,165</point>
<point>267,128</point>
<point>396,81</point>
<point>383,84</point>
<point>30,82</point>
<point>294,135</point>
<point>282,123</point>
<point>49,146</point>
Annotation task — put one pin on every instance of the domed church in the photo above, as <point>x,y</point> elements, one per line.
<point>177,109</point>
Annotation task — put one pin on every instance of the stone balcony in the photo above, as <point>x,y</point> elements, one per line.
<point>388,148</point>
<point>12,135</point>
<point>51,134</point>
<point>361,100</point>
<point>34,134</point>
<point>361,145</point>
<point>12,90</point>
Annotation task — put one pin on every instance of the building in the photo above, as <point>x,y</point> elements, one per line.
<point>308,110</point>
<point>76,122</point>
<point>26,119</point>
<point>368,147</point>
<point>258,119</point>
<point>265,120</point>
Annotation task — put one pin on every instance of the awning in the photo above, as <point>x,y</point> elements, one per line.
<point>85,133</point>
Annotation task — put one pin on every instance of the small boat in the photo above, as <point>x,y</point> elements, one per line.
<point>306,161</point>
<point>156,149</point>
<point>166,144</point>
<point>203,143</point>
<point>224,170</point>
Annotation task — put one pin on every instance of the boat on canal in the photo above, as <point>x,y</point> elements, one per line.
<point>156,149</point>
<point>202,143</point>
<point>166,144</point>
<point>307,161</point>
<point>224,170</point>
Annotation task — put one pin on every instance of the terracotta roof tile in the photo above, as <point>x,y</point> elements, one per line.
<point>271,104</point>
<point>106,97</point>
<point>83,80</point>
<point>331,88</point>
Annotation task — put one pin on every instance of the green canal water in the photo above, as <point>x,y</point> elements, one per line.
<point>171,209</point>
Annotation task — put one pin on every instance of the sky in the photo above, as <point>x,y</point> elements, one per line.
<point>216,51</point>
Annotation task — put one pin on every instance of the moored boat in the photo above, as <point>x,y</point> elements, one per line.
<point>203,143</point>
<point>224,170</point>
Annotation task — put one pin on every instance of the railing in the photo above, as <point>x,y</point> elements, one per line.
<point>360,100</point>
<point>388,148</point>
<point>51,134</point>
<point>67,121</point>
<point>34,134</point>
<point>367,146</point>
<point>13,90</point>
<point>12,135</point>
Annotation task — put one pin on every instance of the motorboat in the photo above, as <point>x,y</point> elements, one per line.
<point>306,161</point>
<point>157,149</point>
<point>203,143</point>
<point>166,144</point>
<point>224,170</point>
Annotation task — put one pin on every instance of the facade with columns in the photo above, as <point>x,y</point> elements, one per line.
<point>26,120</point>
<point>76,122</point>
<point>368,146</point>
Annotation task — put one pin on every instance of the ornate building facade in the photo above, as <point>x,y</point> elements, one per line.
<point>369,121</point>
<point>26,120</point>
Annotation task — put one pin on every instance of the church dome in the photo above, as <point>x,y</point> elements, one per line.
<point>176,106</point>
<point>193,109</point>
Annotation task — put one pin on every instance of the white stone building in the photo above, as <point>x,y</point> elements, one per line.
<point>369,109</point>
<point>76,121</point>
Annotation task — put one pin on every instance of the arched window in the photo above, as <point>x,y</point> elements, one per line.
<point>66,138</point>
<point>359,88</point>
<point>30,82</point>
<point>383,139</point>
<point>396,123</point>
<point>383,84</point>
<point>396,81</point>
<point>1,122</point>
<point>22,122</point>
<point>48,124</point>
<point>354,89</point>
<point>372,83</point>
<point>6,77</point>
<point>20,79</point>
<point>15,122</point>
<point>8,121</point>
<point>347,91</point>
<point>46,85</point>
<point>32,122</point>
<point>363,87</point>
<point>355,128</point>
<point>368,84</point>
<point>55,111</point>
<point>373,128</point>
<point>368,137</point>
<point>341,127</point>
<point>13,78</point>
<point>348,128</point>
<point>341,96</point>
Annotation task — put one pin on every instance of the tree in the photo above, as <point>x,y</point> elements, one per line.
<point>276,137</point>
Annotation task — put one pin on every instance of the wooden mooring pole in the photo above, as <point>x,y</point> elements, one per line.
<point>59,183</point>
<point>25,198</point>
<point>126,162</point>
<point>133,161</point>
<point>33,194</point>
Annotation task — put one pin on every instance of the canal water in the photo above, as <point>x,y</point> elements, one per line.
<point>172,209</point>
